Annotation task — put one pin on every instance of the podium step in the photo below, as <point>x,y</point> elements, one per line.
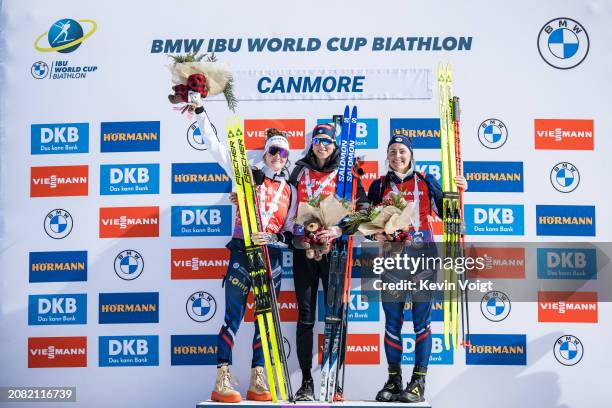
<point>285,404</point>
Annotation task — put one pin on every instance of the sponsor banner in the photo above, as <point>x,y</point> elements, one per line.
<point>60,266</point>
<point>370,173</point>
<point>364,306</point>
<point>140,307</point>
<point>199,263</point>
<point>567,263</point>
<point>486,219</point>
<point>59,138</point>
<point>199,178</point>
<point>502,177</point>
<point>500,262</point>
<point>201,220</point>
<point>497,349</point>
<point>432,167</point>
<point>437,308</point>
<point>565,220</point>
<point>439,355</point>
<point>366,133</point>
<point>128,351</point>
<point>564,134</point>
<point>198,349</point>
<point>129,137</point>
<point>59,181</point>
<point>425,132</point>
<point>57,352</point>
<point>129,222</point>
<point>568,307</point>
<point>326,84</point>
<point>57,309</point>
<point>117,179</point>
<point>287,263</point>
<point>255,132</point>
<point>287,306</point>
<point>360,349</point>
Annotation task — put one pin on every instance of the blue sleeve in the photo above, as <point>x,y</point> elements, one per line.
<point>435,193</point>
<point>374,193</point>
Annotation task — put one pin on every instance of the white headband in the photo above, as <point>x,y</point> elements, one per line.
<point>279,141</point>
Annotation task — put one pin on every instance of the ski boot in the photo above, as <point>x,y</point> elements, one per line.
<point>258,390</point>
<point>223,391</point>
<point>339,394</point>
<point>306,391</point>
<point>415,390</point>
<point>391,390</point>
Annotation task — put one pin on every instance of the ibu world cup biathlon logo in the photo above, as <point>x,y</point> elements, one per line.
<point>568,350</point>
<point>201,306</point>
<point>564,177</point>
<point>492,133</point>
<point>40,70</point>
<point>58,223</point>
<point>65,36</point>
<point>563,43</point>
<point>195,137</point>
<point>495,306</point>
<point>129,264</point>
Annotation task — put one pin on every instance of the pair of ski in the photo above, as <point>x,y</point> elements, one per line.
<point>454,228</point>
<point>339,286</point>
<point>264,295</point>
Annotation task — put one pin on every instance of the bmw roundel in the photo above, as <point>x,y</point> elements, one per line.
<point>563,43</point>
<point>201,306</point>
<point>129,264</point>
<point>568,350</point>
<point>58,223</point>
<point>564,177</point>
<point>495,306</point>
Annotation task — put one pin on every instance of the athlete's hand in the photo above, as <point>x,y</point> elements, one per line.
<point>461,183</point>
<point>380,237</point>
<point>233,197</point>
<point>263,238</point>
<point>329,234</point>
<point>195,99</point>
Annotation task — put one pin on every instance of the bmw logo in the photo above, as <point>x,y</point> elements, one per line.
<point>201,307</point>
<point>563,43</point>
<point>58,223</point>
<point>39,70</point>
<point>495,306</point>
<point>568,350</point>
<point>129,264</point>
<point>195,137</point>
<point>564,177</point>
<point>492,133</point>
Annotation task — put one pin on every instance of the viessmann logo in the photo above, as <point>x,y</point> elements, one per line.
<point>198,263</point>
<point>568,307</point>
<point>564,134</point>
<point>117,222</point>
<point>58,181</point>
<point>360,349</point>
<point>255,132</point>
<point>57,352</point>
<point>287,305</point>
<point>500,262</point>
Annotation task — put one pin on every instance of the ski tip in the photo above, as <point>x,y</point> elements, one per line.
<point>354,111</point>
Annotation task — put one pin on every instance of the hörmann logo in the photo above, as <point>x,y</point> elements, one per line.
<point>59,138</point>
<point>116,179</point>
<point>255,132</point>
<point>503,177</point>
<point>129,137</point>
<point>129,307</point>
<point>565,220</point>
<point>564,134</point>
<point>59,181</point>
<point>198,263</point>
<point>193,349</point>
<point>425,133</point>
<point>188,178</point>
<point>567,263</point>
<point>57,309</point>
<point>61,266</point>
<point>128,351</point>
<point>127,222</point>
<point>57,352</point>
<point>567,307</point>
<point>497,349</point>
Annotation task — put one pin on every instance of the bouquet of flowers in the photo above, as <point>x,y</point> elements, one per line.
<point>393,217</point>
<point>315,216</point>
<point>208,77</point>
